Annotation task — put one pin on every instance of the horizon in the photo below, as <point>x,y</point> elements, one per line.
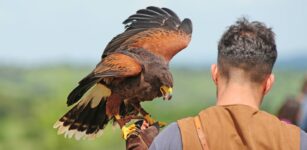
<point>296,63</point>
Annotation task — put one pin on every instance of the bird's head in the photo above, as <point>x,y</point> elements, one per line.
<point>166,92</point>
<point>166,83</point>
<point>166,87</point>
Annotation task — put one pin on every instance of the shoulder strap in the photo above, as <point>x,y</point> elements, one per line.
<point>192,134</point>
<point>200,133</point>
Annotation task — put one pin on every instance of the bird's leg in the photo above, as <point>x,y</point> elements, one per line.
<point>126,130</point>
<point>150,120</point>
<point>119,120</point>
<point>130,117</point>
<point>147,116</point>
<point>113,109</point>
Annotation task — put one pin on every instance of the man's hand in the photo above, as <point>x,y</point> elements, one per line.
<point>143,136</point>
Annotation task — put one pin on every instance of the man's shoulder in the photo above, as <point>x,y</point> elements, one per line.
<point>169,138</point>
<point>303,140</point>
<point>272,117</point>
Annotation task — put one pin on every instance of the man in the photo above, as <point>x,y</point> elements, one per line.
<point>243,76</point>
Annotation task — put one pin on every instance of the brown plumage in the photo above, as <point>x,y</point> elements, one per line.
<point>134,68</point>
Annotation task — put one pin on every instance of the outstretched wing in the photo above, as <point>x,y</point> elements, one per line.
<point>116,65</point>
<point>158,30</point>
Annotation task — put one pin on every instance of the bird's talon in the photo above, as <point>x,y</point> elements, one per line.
<point>128,130</point>
<point>149,119</point>
<point>162,124</point>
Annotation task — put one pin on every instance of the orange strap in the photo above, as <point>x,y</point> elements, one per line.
<point>200,133</point>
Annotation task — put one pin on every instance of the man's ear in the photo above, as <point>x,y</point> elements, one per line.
<point>214,73</point>
<point>269,83</point>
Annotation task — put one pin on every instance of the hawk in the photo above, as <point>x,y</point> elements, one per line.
<point>134,67</point>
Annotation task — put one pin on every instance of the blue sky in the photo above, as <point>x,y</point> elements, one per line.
<point>54,31</point>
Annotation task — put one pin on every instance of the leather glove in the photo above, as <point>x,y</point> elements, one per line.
<point>142,137</point>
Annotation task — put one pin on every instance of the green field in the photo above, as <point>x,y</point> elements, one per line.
<point>31,100</point>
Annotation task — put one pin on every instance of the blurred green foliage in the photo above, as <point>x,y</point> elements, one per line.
<point>32,99</point>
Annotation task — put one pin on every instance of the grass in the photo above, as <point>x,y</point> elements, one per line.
<point>32,99</point>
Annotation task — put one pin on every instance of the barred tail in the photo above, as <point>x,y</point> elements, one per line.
<point>88,118</point>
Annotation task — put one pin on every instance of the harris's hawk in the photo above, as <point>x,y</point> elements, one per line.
<point>134,68</point>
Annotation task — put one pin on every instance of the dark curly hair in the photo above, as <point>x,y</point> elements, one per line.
<point>249,46</point>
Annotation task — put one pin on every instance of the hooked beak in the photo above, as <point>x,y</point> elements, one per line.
<point>166,92</point>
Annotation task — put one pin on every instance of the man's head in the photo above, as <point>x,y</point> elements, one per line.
<point>246,54</point>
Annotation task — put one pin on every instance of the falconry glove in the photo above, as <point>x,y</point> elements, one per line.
<point>141,139</point>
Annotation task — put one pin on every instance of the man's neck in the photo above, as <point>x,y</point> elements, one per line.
<point>243,94</point>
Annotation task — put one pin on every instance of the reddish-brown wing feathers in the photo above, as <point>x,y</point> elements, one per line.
<point>158,30</point>
<point>117,65</point>
<point>162,42</point>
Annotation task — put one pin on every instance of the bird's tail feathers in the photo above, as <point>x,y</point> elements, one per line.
<point>87,119</point>
<point>84,86</point>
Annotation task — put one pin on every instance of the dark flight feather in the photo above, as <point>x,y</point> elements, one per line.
<point>159,10</point>
<point>186,26</point>
<point>154,14</point>
<point>173,14</point>
<point>84,85</point>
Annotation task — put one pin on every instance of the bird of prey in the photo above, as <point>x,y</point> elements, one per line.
<point>134,67</point>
